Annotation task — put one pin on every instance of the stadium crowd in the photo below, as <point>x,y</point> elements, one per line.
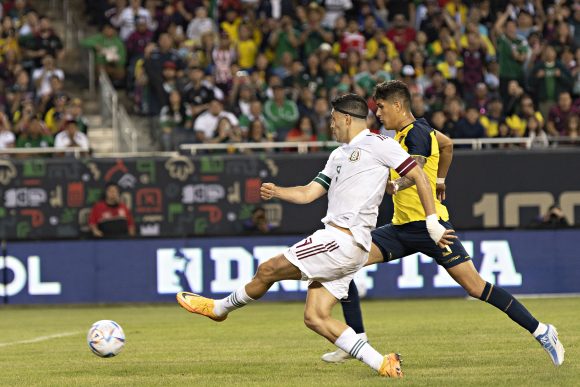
<point>233,70</point>
<point>249,70</point>
<point>36,111</point>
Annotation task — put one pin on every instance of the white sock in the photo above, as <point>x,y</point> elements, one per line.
<point>235,300</point>
<point>540,330</point>
<point>363,337</point>
<point>352,343</point>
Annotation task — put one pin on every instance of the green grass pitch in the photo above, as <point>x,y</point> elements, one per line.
<point>444,342</point>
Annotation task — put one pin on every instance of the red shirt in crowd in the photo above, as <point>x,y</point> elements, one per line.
<point>111,220</point>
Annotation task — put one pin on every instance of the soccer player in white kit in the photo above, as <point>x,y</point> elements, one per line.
<point>355,177</point>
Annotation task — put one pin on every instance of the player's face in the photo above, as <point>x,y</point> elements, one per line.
<point>339,126</point>
<point>387,113</point>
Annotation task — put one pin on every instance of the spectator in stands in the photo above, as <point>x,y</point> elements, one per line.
<point>223,56</point>
<point>153,66</point>
<point>401,34</point>
<point>138,40</point>
<point>469,126</point>
<point>206,124</point>
<point>255,114</point>
<point>513,98</point>
<point>321,119</point>
<point>226,132</point>
<point>7,137</point>
<point>453,112</point>
<point>111,55</point>
<point>492,118</point>
<point>46,39</point>
<point>41,76</point>
<point>549,78</point>
<point>313,32</point>
<point>110,217</point>
<point>258,223</point>
<point>281,112</point>
<point>552,219</point>
<point>512,51</point>
<point>34,136</point>
<point>23,114</point>
<point>200,25</point>
<point>127,19</point>
<point>284,39</point>
<point>536,134</point>
<point>71,137</point>
<point>195,92</point>
<point>560,114</point>
<point>473,57</point>
<point>519,119</point>
<point>257,132</point>
<point>55,116</point>
<point>176,122</point>
<point>74,112</point>
<point>303,132</point>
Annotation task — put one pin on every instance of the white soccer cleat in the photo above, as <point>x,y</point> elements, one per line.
<point>338,356</point>
<point>552,345</point>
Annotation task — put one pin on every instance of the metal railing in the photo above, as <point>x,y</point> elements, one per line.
<point>300,147</point>
<point>77,152</point>
<point>305,147</point>
<point>115,115</point>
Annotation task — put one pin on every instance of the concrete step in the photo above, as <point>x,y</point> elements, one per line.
<point>102,140</point>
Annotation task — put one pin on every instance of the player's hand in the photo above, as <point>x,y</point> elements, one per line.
<point>447,238</point>
<point>439,234</point>
<point>440,191</point>
<point>392,187</point>
<point>267,191</point>
<point>97,233</point>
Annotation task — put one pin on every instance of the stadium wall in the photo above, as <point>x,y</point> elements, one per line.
<point>524,262</point>
<point>213,195</point>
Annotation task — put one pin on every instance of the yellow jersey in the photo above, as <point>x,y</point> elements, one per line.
<point>418,139</point>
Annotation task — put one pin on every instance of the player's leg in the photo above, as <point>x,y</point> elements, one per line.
<point>385,244</point>
<point>317,316</point>
<point>275,269</point>
<point>460,267</point>
<point>467,276</point>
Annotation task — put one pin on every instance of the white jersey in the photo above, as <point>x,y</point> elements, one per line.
<point>356,176</point>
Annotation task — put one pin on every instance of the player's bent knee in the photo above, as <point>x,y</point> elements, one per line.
<point>313,322</point>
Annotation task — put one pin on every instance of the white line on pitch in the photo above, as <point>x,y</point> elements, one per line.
<point>39,339</point>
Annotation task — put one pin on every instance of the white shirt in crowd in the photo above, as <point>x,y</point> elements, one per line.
<point>45,75</point>
<point>62,140</point>
<point>208,123</point>
<point>7,139</point>
<point>356,176</point>
<point>199,26</point>
<point>127,19</point>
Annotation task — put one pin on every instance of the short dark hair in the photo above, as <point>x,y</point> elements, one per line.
<point>393,90</point>
<point>351,104</point>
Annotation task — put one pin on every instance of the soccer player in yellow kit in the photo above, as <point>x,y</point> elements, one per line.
<point>408,232</point>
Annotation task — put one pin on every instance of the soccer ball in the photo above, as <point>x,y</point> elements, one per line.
<point>106,338</point>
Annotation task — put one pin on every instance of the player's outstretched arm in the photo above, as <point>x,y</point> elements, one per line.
<point>437,232</point>
<point>302,194</point>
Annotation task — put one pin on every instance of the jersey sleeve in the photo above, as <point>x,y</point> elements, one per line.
<point>418,142</point>
<point>394,156</point>
<point>324,177</point>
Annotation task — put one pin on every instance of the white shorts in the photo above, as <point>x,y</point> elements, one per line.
<point>328,256</point>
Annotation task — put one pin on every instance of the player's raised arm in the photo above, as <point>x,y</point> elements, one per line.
<point>302,194</point>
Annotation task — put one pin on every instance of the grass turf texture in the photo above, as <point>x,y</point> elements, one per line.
<point>443,342</point>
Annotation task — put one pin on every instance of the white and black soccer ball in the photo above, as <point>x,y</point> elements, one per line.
<point>106,338</point>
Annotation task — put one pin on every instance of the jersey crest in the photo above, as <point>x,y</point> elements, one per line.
<point>354,156</point>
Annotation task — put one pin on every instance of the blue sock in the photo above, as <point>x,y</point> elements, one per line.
<point>504,301</point>
<point>351,309</point>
